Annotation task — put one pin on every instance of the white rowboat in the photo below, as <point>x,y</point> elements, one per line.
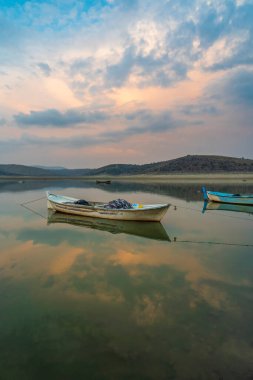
<point>67,205</point>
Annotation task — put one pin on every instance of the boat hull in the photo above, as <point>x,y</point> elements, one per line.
<point>149,213</point>
<point>236,199</point>
<point>230,199</point>
<point>106,182</point>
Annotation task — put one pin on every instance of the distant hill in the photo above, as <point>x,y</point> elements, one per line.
<point>187,164</point>
<point>49,167</point>
<point>200,164</point>
<point>22,170</point>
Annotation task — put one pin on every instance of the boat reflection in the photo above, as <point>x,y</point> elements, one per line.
<point>227,207</point>
<point>149,230</point>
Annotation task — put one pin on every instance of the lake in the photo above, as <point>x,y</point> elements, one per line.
<point>90,299</point>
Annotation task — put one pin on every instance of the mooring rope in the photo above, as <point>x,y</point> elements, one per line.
<point>30,209</point>
<point>214,212</point>
<point>35,212</point>
<point>34,200</point>
<point>212,243</point>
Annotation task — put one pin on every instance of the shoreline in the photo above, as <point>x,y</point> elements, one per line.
<point>184,177</point>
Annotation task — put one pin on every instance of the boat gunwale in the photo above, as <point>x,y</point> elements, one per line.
<point>157,206</point>
<point>228,195</point>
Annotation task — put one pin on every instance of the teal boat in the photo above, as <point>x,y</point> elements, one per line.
<point>238,199</point>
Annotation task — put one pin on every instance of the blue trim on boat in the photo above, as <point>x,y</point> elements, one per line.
<point>218,194</point>
<point>204,193</point>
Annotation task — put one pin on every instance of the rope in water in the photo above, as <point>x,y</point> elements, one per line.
<point>30,209</point>
<point>218,213</point>
<point>212,243</point>
<point>35,212</point>
<point>34,200</point>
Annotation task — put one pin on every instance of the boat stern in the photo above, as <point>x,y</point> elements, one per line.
<point>49,204</point>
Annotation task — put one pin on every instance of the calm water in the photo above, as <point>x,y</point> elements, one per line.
<point>84,299</point>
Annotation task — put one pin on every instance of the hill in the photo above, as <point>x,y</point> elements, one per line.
<point>187,164</point>
<point>194,164</point>
<point>35,171</point>
<point>22,170</point>
<point>200,164</point>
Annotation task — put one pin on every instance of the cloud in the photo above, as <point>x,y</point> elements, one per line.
<point>235,88</point>
<point>141,122</point>
<point>154,56</point>
<point>118,73</point>
<point>145,122</point>
<point>157,44</point>
<point>191,58</point>
<point>2,121</point>
<point>238,87</point>
<point>55,118</point>
<point>147,69</point>
<point>45,68</point>
<point>214,21</point>
<point>135,122</point>
<point>86,75</point>
<point>33,141</point>
<point>228,33</point>
<point>149,50</point>
<point>199,109</point>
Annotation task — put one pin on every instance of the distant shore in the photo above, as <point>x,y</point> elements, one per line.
<point>182,177</point>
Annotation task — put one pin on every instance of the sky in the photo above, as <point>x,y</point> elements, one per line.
<point>86,83</point>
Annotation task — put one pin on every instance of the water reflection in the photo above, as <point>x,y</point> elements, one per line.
<point>79,302</point>
<point>185,191</point>
<point>215,206</point>
<point>150,230</point>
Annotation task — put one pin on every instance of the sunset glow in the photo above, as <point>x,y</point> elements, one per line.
<point>93,82</point>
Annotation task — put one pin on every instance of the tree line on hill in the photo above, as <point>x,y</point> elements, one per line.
<point>189,164</point>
